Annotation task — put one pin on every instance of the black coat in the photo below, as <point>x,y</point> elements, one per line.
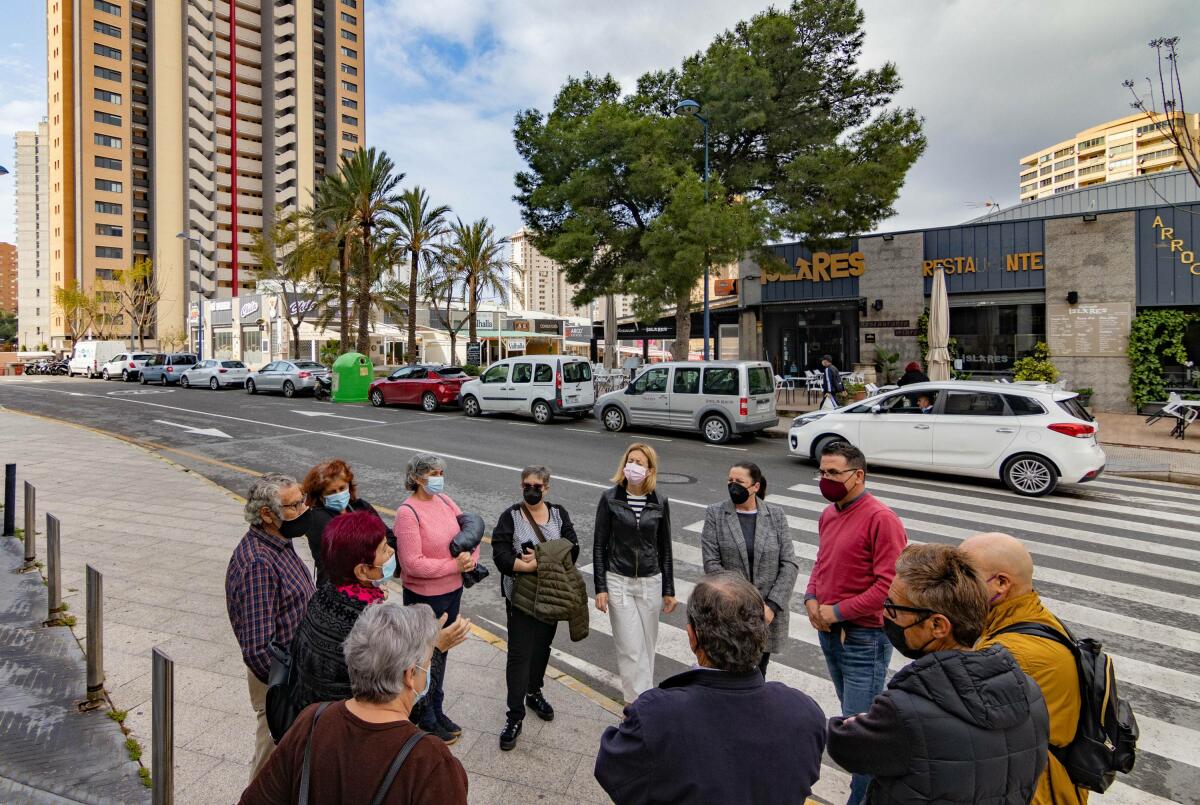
<point>629,546</point>
<point>914,376</point>
<point>503,553</point>
<point>317,647</point>
<point>316,529</point>
<point>707,736</point>
<point>952,727</point>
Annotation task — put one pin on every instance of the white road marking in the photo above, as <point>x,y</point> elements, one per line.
<point>338,416</point>
<point>581,430</point>
<point>196,431</point>
<point>726,447</point>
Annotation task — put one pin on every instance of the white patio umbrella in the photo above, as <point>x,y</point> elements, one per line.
<point>937,362</point>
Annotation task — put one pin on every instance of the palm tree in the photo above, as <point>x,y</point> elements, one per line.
<point>475,248</point>
<point>331,229</point>
<point>419,226</point>
<point>443,280</point>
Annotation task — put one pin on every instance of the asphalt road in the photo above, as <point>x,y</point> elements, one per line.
<point>1118,559</point>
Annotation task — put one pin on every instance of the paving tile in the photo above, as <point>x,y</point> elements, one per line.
<point>224,784</point>
<point>574,733</point>
<point>482,790</point>
<point>583,783</point>
<point>229,737</point>
<point>552,768</point>
<point>481,679</point>
<point>517,792</point>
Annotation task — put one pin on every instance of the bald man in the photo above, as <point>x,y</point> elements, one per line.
<point>1007,568</point>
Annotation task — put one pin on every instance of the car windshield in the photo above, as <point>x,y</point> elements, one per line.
<point>233,364</point>
<point>309,365</point>
<point>577,372</point>
<point>142,357</point>
<point>451,371</point>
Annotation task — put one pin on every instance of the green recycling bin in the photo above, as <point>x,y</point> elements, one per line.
<point>352,376</point>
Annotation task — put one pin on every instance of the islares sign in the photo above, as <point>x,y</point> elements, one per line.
<point>824,267</point>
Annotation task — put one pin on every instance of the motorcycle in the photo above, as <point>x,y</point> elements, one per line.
<point>324,387</point>
<point>60,367</point>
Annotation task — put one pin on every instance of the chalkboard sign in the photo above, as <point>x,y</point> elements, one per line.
<point>473,353</point>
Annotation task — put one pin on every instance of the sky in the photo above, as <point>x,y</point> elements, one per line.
<point>993,81</point>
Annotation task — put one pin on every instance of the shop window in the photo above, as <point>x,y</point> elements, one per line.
<point>991,337</point>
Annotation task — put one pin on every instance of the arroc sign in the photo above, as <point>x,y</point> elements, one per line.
<point>1186,256</point>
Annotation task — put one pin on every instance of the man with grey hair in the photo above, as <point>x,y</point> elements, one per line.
<point>719,732</point>
<point>267,587</point>
<point>354,746</point>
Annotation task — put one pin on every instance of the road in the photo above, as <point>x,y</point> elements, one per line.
<point>1118,559</point>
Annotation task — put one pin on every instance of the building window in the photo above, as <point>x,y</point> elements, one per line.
<point>349,69</point>
<point>1045,170</point>
<point>1064,163</point>
<point>350,136</point>
<point>1062,152</point>
<point>350,120</point>
<point>1025,188</point>
<point>349,87</point>
<point>105,117</point>
<point>1149,127</point>
<point>1164,152</point>
<point>350,3</point>
<point>108,185</point>
<point>106,96</point>
<point>105,50</point>
<point>1025,177</point>
<point>347,18</point>
<point>108,162</point>
<point>106,29</point>
<point>108,142</point>
<point>110,252</point>
<point>107,8</point>
<point>1092,143</point>
<point>349,53</point>
<point>353,37</point>
<point>992,337</point>
<point>109,230</point>
<point>1063,177</point>
<point>349,103</point>
<point>1120,163</point>
<point>346,152</point>
<point>1120,149</point>
<point>1091,169</point>
<point>107,74</point>
<point>1045,158</point>
<point>1063,189</point>
<point>1045,182</point>
<point>105,274</point>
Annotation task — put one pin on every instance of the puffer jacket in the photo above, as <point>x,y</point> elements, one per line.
<point>317,647</point>
<point>625,545</point>
<point>952,727</point>
<point>555,592</point>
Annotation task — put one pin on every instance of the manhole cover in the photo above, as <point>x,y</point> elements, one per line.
<point>675,478</point>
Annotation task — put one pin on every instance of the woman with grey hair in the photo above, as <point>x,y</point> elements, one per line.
<point>426,523</point>
<point>365,747</point>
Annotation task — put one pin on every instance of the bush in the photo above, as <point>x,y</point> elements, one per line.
<point>330,351</point>
<point>1037,366</point>
<point>1155,334</point>
<point>468,369</point>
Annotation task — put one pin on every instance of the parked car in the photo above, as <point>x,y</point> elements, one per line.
<point>715,399</point>
<point>288,377</point>
<point>88,356</point>
<point>430,386</point>
<point>167,367</point>
<point>215,374</point>
<point>543,385</point>
<point>1029,436</point>
<point>126,365</point>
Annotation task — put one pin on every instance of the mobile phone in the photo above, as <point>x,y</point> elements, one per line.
<point>526,546</point>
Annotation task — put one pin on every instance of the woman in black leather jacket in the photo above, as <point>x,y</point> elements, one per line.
<point>631,565</point>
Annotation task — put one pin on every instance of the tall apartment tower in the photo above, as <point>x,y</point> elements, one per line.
<point>35,299</point>
<point>544,286</point>
<point>142,102</point>
<point>8,278</point>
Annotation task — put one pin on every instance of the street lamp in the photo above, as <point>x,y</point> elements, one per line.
<point>690,108</point>
<point>199,332</point>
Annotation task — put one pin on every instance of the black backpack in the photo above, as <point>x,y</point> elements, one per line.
<point>1105,741</point>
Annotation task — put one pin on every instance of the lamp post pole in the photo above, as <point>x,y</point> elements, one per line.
<point>198,338</point>
<point>691,108</point>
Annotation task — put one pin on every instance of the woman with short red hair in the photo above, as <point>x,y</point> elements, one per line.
<point>330,490</point>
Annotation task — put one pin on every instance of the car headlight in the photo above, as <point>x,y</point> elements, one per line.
<point>804,419</point>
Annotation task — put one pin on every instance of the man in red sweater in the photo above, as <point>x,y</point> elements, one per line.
<point>860,540</point>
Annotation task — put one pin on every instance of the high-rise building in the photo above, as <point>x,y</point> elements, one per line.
<point>544,287</point>
<point>1118,149</point>
<point>35,297</point>
<point>142,99</point>
<point>8,277</point>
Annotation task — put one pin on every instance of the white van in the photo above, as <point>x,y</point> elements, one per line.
<point>89,356</point>
<point>716,399</point>
<point>543,385</point>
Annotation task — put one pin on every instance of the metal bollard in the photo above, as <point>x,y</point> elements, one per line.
<point>30,526</point>
<point>95,635</point>
<point>53,568</point>
<point>10,500</point>
<point>162,764</point>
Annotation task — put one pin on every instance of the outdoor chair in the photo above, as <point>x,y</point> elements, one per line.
<point>1171,409</point>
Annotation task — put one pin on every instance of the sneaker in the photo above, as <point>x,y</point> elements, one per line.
<point>448,725</point>
<point>538,704</point>
<point>439,731</point>
<point>508,738</point>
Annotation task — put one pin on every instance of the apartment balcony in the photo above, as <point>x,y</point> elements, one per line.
<point>285,28</point>
<point>139,35</point>
<point>141,203</point>
<point>1152,136</point>
<point>141,163</point>
<point>244,146</point>
<point>1161,160</point>
<point>247,219</point>
<point>284,176</point>
<point>140,57</point>
<point>285,85</point>
<point>245,91</point>
<point>200,181</point>
<point>198,18</point>
<point>140,141</point>
<point>198,54</point>
<point>200,161</point>
<point>141,224</point>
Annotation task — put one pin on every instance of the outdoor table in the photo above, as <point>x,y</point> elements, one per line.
<point>1189,411</point>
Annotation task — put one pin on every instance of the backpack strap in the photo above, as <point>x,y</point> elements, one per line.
<point>306,770</point>
<point>397,762</point>
<point>1041,630</point>
<point>414,511</point>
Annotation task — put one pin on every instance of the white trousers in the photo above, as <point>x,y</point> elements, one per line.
<point>633,607</point>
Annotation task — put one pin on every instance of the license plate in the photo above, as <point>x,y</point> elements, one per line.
<point>572,397</point>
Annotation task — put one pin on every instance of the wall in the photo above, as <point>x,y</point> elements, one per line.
<point>1095,259</point>
<point>893,274</point>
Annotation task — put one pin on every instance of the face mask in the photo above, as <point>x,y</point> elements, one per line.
<point>635,473</point>
<point>532,496</point>
<point>423,692</point>
<point>339,501</point>
<point>992,600</point>
<point>895,635</point>
<point>297,526</point>
<point>738,493</point>
<point>833,490</point>
<point>435,484</point>
<point>389,570</point>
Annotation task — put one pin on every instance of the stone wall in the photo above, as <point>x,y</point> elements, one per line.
<point>893,274</point>
<point>1095,259</point>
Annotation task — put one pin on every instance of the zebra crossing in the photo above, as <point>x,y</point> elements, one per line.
<point>1117,560</point>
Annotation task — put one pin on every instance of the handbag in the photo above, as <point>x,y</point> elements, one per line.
<point>281,712</point>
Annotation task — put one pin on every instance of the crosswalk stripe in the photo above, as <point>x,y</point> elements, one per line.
<point>1141,486</point>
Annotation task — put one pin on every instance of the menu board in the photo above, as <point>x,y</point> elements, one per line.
<point>1083,330</point>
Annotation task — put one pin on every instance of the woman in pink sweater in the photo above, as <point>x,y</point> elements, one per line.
<point>425,524</point>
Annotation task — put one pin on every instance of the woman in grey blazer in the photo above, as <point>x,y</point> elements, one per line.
<point>747,535</point>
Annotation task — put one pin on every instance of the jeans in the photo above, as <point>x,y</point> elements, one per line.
<point>857,657</point>
<point>529,642</point>
<point>633,606</point>
<point>430,710</point>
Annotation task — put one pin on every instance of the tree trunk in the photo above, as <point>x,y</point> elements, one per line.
<point>683,326</point>
<point>363,304</point>
<point>295,338</point>
<point>472,306</point>
<point>412,302</point>
<point>344,294</point>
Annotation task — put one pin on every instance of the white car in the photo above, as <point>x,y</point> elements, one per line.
<point>215,374</point>
<point>1029,436</point>
<point>127,365</point>
<point>543,385</point>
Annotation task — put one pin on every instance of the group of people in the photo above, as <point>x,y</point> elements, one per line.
<point>369,671</point>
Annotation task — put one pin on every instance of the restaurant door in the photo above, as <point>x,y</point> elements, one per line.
<point>797,339</point>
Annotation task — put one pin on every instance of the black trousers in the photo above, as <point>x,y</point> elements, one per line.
<point>425,713</point>
<point>529,642</point>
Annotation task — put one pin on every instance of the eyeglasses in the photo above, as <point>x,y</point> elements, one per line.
<point>831,474</point>
<point>538,487</point>
<point>891,609</point>
<point>294,506</point>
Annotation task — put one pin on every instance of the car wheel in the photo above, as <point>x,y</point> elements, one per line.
<point>1029,475</point>
<point>104,375</point>
<point>124,375</point>
<point>542,413</point>
<point>289,389</point>
<point>715,429</point>
<point>213,384</point>
<point>250,389</point>
<point>470,406</point>
<point>429,401</point>
<point>162,380</point>
<point>820,444</point>
<point>613,419</point>
<point>376,398</point>
<point>142,381</point>
<point>183,381</point>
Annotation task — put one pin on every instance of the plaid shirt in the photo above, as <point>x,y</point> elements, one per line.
<point>267,588</point>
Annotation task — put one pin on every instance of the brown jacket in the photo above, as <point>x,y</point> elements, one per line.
<point>1053,667</point>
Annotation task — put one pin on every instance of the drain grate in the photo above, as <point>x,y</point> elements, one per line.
<point>675,478</point>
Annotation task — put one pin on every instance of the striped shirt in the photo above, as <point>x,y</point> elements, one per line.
<point>637,503</point>
<point>523,532</point>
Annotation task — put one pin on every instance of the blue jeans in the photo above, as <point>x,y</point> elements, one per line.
<point>427,712</point>
<point>857,657</point>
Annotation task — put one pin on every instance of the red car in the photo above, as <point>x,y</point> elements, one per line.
<point>427,386</point>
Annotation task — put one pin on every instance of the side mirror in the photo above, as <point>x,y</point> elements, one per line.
<point>629,389</point>
<point>876,409</point>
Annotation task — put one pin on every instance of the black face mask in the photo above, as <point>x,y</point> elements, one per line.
<point>738,493</point>
<point>532,496</point>
<point>895,635</point>
<point>297,527</point>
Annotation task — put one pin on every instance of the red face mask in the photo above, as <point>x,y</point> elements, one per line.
<point>833,491</point>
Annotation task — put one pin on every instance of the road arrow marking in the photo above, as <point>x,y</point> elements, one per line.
<point>339,416</point>
<point>197,431</point>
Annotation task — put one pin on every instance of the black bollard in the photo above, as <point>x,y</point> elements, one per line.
<point>10,500</point>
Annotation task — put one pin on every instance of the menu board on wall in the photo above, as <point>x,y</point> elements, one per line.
<point>1100,330</point>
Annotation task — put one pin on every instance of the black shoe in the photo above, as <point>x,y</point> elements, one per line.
<point>439,731</point>
<point>508,738</point>
<point>538,704</point>
<point>448,725</point>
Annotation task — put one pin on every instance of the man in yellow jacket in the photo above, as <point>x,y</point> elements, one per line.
<point>1007,567</point>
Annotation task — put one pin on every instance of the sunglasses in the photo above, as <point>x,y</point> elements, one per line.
<point>891,609</point>
<point>538,487</point>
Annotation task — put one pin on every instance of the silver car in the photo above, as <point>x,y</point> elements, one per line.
<point>288,377</point>
<point>215,374</point>
<point>167,367</point>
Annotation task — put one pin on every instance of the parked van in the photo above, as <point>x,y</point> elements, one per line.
<point>543,385</point>
<point>716,399</point>
<point>89,356</point>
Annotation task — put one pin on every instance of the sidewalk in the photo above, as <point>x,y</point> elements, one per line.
<point>162,537</point>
